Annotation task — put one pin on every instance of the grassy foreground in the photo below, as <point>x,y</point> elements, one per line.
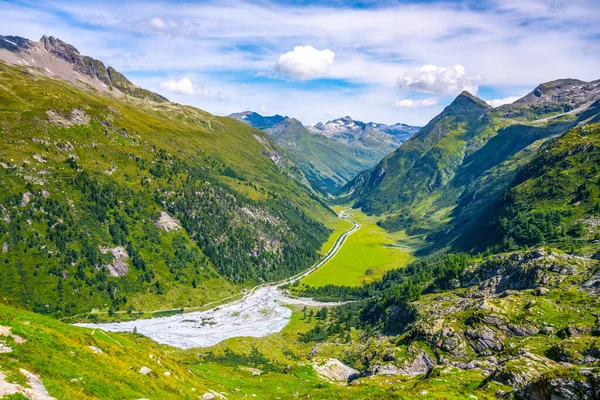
<point>365,256</point>
<point>79,363</point>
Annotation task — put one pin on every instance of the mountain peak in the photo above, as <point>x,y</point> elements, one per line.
<point>465,102</point>
<point>562,91</point>
<point>258,121</point>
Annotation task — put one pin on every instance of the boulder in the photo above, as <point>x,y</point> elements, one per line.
<point>336,370</point>
<point>145,370</point>
<point>421,365</point>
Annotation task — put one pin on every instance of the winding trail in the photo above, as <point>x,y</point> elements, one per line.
<point>259,313</point>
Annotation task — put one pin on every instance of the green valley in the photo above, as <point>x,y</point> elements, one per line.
<point>153,250</point>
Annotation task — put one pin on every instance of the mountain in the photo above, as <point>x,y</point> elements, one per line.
<point>402,131</point>
<point>445,179</point>
<point>333,153</point>
<point>119,199</point>
<point>256,120</point>
<point>54,57</point>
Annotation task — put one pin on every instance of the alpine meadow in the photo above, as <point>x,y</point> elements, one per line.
<point>294,200</point>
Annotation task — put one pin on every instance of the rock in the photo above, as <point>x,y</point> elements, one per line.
<point>77,117</point>
<point>167,222</point>
<point>574,331</point>
<point>336,370</point>
<point>542,291</point>
<point>562,388</point>
<point>537,253</point>
<point>596,256</point>
<point>95,350</point>
<point>207,396</point>
<point>547,330</point>
<point>145,370</point>
<point>389,355</point>
<point>253,371</point>
<point>484,338</point>
<point>449,341</point>
<point>25,199</point>
<point>118,266</point>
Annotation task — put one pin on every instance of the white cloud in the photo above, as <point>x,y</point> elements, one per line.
<point>416,103</point>
<point>305,62</point>
<point>262,109</point>
<point>433,79</point>
<point>507,100</point>
<point>158,24</point>
<point>185,86</point>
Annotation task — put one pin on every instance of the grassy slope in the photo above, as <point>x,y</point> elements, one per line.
<point>70,369</point>
<point>148,148</point>
<point>367,249</point>
<point>554,198</point>
<point>447,176</point>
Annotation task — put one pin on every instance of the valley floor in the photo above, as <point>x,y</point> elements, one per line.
<point>367,255</point>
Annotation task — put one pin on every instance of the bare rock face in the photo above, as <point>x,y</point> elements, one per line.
<point>118,267</point>
<point>334,369</point>
<point>167,222</point>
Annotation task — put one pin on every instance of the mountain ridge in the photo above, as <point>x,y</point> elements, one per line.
<point>469,153</point>
<point>332,153</point>
<point>47,54</point>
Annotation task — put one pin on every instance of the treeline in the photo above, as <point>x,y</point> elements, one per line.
<point>386,305</point>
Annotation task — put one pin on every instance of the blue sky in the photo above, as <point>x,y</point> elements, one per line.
<point>383,61</point>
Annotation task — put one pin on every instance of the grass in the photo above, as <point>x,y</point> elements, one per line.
<point>339,226</point>
<point>365,256</point>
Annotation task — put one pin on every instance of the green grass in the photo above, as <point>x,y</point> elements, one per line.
<point>339,226</point>
<point>365,256</point>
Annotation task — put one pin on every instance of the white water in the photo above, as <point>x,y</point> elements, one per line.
<point>257,315</point>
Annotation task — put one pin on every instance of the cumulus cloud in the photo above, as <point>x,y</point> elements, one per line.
<point>305,62</point>
<point>507,100</point>
<point>158,24</point>
<point>187,87</point>
<point>415,103</point>
<point>433,79</point>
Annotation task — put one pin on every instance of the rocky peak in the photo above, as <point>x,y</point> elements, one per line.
<point>60,49</point>
<point>569,91</point>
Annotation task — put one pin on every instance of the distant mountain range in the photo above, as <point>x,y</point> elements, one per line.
<point>331,153</point>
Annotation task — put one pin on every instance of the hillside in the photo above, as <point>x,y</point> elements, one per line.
<point>122,202</point>
<point>446,177</point>
<point>333,153</point>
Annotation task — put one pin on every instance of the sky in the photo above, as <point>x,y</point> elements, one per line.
<point>382,61</point>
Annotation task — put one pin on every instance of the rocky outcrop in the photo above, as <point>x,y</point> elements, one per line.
<point>421,365</point>
<point>484,339</point>
<point>560,388</point>
<point>118,266</point>
<point>167,222</point>
<point>334,369</point>
<point>449,341</point>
